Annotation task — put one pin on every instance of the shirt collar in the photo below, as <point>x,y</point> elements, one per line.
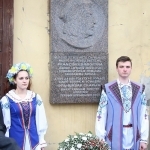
<point>121,84</point>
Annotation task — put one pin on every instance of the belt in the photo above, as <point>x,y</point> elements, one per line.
<point>127,126</point>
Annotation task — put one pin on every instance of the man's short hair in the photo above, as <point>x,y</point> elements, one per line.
<point>123,59</point>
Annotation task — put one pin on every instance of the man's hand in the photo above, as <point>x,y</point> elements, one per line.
<point>143,146</point>
<point>42,148</point>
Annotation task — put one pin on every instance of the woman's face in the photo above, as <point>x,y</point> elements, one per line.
<point>22,80</point>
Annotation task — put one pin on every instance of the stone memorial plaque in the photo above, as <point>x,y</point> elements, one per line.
<point>79,50</point>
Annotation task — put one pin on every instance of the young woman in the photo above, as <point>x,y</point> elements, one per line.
<point>23,110</point>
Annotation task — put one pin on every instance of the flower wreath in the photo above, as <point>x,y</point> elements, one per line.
<point>16,68</point>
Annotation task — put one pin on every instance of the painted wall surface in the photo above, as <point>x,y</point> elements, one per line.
<point>129,26</point>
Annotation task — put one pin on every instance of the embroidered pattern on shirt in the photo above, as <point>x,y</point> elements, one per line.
<point>6,105</point>
<point>126,94</point>
<point>102,103</point>
<point>144,101</point>
<point>146,114</point>
<point>38,102</point>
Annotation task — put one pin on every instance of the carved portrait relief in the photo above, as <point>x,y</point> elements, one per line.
<point>80,23</point>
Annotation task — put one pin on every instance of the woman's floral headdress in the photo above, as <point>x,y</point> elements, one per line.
<point>16,68</point>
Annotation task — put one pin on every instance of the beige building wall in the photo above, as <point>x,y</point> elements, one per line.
<point>129,34</point>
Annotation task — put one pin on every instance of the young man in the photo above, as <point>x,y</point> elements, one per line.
<point>122,115</point>
<point>5,142</point>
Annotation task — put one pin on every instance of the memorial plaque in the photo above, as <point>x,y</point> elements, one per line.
<point>79,50</point>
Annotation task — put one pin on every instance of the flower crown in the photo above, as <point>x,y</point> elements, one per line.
<point>16,68</point>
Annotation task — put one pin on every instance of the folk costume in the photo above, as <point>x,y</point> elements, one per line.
<point>122,116</point>
<point>25,119</point>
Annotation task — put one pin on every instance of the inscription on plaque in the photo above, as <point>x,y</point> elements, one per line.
<point>79,57</point>
<point>78,77</point>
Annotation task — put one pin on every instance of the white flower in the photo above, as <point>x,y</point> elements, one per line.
<point>81,133</point>
<point>89,134</point>
<point>84,138</point>
<point>79,145</point>
<point>72,148</point>
<point>75,137</point>
<point>66,140</point>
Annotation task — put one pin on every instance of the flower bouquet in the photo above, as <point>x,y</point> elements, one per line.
<point>82,141</point>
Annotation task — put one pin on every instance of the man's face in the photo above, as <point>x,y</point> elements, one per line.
<point>124,69</point>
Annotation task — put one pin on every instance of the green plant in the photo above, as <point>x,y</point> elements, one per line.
<point>82,141</point>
